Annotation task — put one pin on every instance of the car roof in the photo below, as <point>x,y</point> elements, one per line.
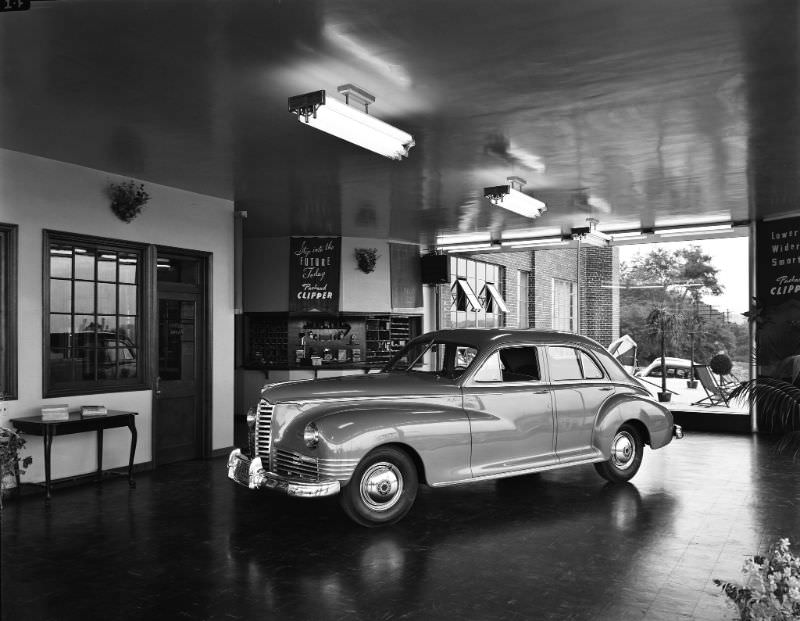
<point>484,337</point>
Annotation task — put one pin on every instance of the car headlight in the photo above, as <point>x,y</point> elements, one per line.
<point>311,435</point>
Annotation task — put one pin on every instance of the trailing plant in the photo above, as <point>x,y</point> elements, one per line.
<point>127,199</point>
<point>366,259</point>
<point>770,588</point>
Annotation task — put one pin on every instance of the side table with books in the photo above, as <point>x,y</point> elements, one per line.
<point>58,420</point>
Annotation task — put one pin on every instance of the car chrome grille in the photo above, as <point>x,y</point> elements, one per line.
<point>263,430</point>
<point>296,466</point>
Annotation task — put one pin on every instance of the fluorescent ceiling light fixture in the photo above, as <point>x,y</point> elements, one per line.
<point>464,247</point>
<point>690,230</point>
<point>509,197</point>
<point>532,243</point>
<point>590,235</point>
<point>627,235</point>
<point>346,122</point>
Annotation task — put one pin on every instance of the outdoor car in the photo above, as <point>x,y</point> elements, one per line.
<point>453,407</point>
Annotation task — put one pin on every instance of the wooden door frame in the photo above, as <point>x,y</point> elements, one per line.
<point>205,311</point>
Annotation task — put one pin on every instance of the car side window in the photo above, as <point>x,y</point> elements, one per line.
<point>590,368</point>
<point>563,363</point>
<point>512,364</point>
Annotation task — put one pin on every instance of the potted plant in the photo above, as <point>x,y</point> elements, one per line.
<point>695,325</point>
<point>663,323</point>
<point>12,464</point>
<point>722,365</point>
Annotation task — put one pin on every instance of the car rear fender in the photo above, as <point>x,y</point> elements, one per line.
<point>653,420</point>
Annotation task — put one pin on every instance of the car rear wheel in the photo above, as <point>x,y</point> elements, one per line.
<point>382,489</point>
<point>627,449</point>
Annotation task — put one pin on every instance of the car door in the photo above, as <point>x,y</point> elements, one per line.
<point>579,387</point>
<point>510,413</point>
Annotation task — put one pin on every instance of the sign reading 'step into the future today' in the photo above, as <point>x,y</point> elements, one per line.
<point>314,272</point>
<point>778,269</point>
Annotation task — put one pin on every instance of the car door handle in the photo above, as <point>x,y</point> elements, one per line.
<point>540,392</point>
<point>607,388</point>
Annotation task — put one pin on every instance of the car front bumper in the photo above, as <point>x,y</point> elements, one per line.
<point>677,432</point>
<point>252,474</point>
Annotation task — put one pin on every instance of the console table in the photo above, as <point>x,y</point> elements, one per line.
<point>76,423</point>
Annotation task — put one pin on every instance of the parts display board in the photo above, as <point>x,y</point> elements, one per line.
<point>314,274</point>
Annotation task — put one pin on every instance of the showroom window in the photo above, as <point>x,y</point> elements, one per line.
<point>93,305</point>
<point>563,305</point>
<point>471,278</point>
<point>522,298</point>
<point>8,311</point>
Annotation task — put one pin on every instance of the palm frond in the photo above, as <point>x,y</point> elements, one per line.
<point>778,405</point>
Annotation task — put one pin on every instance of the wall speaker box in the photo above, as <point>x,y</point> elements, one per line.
<point>435,269</point>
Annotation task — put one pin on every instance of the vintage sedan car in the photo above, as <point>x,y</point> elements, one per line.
<point>452,407</point>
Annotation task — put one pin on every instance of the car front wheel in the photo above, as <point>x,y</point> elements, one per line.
<point>626,456</point>
<point>382,489</point>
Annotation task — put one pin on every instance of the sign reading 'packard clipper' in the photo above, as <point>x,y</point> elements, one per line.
<point>315,265</point>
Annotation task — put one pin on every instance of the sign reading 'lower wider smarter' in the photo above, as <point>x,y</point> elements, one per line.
<point>778,246</point>
<point>314,272</point>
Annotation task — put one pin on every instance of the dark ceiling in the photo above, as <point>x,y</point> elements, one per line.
<point>637,112</point>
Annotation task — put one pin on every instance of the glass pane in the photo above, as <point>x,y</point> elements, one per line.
<point>106,298</point>
<point>107,267</point>
<point>84,264</point>
<point>127,299</point>
<point>85,363</point>
<point>60,324</point>
<point>590,369</point>
<point>176,339</point>
<point>563,363</point>
<point>173,269</point>
<point>127,267</point>
<point>84,330</point>
<point>61,296</point>
<point>61,366</point>
<point>107,324</point>
<point>61,262</point>
<point>127,330</point>
<point>84,297</point>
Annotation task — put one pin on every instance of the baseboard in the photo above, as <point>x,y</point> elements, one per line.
<point>221,452</point>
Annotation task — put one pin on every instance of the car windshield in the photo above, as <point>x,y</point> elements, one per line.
<point>433,356</point>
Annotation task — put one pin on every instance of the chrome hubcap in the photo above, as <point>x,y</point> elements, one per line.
<point>381,486</point>
<point>623,450</point>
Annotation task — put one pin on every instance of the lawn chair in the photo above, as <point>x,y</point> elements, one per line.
<point>716,393</point>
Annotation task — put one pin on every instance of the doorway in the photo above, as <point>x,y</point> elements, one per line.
<point>181,395</point>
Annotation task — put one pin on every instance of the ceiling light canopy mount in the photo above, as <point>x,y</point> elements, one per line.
<point>348,123</point>
<point>510,197</point>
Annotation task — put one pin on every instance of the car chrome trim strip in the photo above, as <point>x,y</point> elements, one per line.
<point>513,473</point>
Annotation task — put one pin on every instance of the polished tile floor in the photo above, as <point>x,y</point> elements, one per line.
<point>187,544</point>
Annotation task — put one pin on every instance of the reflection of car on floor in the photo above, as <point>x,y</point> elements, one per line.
<point>454,406</point>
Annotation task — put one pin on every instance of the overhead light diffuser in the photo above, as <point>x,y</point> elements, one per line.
<point>691,230</point>
<point>509,197</point>
<point>348,123</point>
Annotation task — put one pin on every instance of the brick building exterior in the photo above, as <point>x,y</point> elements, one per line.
<point>595,298</point>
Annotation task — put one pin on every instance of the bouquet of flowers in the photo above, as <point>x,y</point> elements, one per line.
<point>771,586</point>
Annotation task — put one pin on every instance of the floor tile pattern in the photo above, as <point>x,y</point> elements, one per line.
<point>188,544</point>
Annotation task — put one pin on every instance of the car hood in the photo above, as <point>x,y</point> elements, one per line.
<point>360,386</point>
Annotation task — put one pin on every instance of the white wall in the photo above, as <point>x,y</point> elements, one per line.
<point>37,194</point>
<point>365,292</point>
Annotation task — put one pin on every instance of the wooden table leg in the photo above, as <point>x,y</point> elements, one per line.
<point>48,443</point>
<point>132,427</point>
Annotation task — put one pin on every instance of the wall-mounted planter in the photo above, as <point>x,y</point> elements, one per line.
<point>366,259</point>
<point>127,199</point>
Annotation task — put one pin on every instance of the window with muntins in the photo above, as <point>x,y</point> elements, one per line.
<point>563,305</point>
<point>468,277</point>
<point>93,302</point>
